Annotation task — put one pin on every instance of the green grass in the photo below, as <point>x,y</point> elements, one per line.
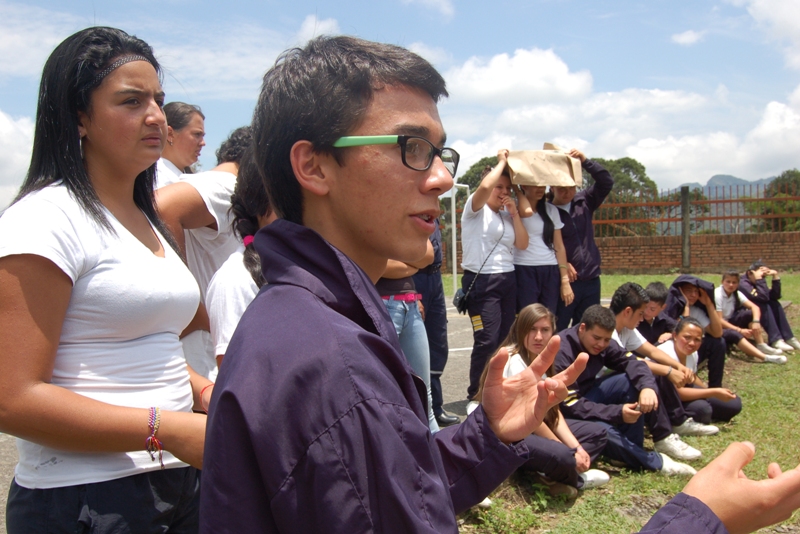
<point>769,420</point>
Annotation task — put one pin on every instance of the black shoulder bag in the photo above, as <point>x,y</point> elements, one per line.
<point>460,299</point>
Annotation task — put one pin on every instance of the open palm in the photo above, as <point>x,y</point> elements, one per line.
<point>516,406</point>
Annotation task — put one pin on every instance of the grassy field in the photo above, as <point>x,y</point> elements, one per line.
<point>769,420</point>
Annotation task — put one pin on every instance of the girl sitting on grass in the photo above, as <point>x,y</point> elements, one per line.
<point>562,450</point>
<point>702,403</point>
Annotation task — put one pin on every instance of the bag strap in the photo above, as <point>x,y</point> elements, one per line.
<point>502,235</point>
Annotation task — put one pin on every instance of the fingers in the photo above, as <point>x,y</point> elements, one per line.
<point>496,366</point>
<point>545,359</point>
<point>735,457</point>
<point>571,373</point>
<point>773,470</point>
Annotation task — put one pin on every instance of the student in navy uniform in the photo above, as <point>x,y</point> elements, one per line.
<point>773,319</point>
<point>490,231</point>
<point>656,327</point>
<point>316,423</point>
<point>428,281</point>
<point>627,400</point>
<point>583,256</point>
<point>691,296</point>
<point>627,305</point>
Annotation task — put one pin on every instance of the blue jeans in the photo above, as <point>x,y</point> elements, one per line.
<point>414,341</point>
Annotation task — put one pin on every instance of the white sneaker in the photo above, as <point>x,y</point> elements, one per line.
<point>766,349</point>
<point>782,345</point>
<point>673,446</point>
<point>472,406</point>
<point>670,467</point>
<point>594,478</point>
<point>690,427</point>
<point>771,358</point>
<point>487,502</point>
<point>793,343</point>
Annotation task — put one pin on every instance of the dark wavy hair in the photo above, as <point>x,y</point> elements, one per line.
<point>249,202</point>
<point>233,148</point>
<point>68,82</point>
<point>320,93</point>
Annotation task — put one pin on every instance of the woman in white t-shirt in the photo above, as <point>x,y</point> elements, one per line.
<point>562,450</point>
<point>93,299</point>
<point>236,283</point>
<point>185,140</point>
<point>541,269</point>
<point>703,404</point>
<point>490,229</point>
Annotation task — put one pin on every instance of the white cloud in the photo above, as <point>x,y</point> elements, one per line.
<point>28,35</point>
<point>445,7</point>
<point>229,63</point>
<point>314,27</point>
<point>688,37</point>
<point>16,140</point>
<point>780,21</point>
<point>437,56</point>
<point>527,76</point>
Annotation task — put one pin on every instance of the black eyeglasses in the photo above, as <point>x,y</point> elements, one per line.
<point>417,152</point>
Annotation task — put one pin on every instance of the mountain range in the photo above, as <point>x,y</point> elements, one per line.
<point>726,180</point>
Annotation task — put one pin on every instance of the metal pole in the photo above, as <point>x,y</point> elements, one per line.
<point>454,257</point>
<point>686,250</point>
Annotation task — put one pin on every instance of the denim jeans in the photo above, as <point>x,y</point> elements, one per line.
<point>414,341</point>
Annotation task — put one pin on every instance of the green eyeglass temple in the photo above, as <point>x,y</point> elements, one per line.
<point>364,140</point>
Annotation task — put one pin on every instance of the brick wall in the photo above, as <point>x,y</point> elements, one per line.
<point>710,252</point>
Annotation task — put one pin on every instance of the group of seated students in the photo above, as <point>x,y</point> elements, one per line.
<point>644,351</point>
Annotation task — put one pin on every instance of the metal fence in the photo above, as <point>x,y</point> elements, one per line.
<point>712,210</point>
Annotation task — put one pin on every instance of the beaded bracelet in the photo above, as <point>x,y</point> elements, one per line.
<point>152,444</point>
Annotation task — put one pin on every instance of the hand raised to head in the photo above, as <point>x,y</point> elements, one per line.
<point>516,406</point>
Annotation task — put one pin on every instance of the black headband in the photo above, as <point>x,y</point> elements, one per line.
<point>118,63</point>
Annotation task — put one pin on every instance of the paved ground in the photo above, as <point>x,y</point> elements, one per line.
<point>454,384</point>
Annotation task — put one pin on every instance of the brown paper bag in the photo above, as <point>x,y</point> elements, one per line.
<point>552,166</point>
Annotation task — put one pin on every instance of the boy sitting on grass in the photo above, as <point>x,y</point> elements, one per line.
<point>627,304</point>
<point>741,319</point>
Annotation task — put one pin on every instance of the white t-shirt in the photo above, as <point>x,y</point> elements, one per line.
<point>726,303</point>
<point>691,359</point>
<point>119,340</point>
<point>700,314</point>
<point>537,252</point>
<point>206,250</point>
<point>628,339</point>
<point>514,366</point>
<point>230,292</point>
<point>480,231</point>
<point>166,173</point>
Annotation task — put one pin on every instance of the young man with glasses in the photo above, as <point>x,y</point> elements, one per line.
<point>316,423</point>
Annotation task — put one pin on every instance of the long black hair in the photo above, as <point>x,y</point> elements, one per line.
<point>549,228</point>
<point>249,202</point>
<point>69,78</point>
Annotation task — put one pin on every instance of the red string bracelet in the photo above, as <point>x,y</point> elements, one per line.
<point>152,444</point>
<point>202,404</point>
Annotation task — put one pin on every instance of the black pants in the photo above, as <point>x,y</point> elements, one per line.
<point>707,410</point>
<point>492,302</point>
<point>556,461</point>
<point>773,320</point>
<point>157,501</point>
<point>430,287</point>
<point>669,398</point>
<point>538,283</point>
<point>713,349</point>
<point>587,293</point>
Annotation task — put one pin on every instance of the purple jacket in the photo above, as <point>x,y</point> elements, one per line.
<point>684,515</point>
<point>613,357</point>
<point>578,232</point>
<point>316,422</point>
<point>759,293</point>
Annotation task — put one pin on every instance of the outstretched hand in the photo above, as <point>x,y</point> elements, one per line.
<point>745,505</point>
<point>516,406</point>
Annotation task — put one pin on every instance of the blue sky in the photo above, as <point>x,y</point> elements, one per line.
<point>689,88</point>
